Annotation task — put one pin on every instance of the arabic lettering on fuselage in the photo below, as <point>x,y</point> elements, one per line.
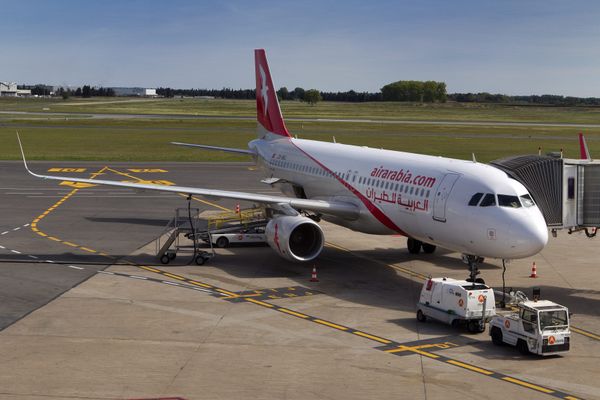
<point>396,198</point>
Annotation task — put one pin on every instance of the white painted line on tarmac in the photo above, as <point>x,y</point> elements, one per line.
<point>49,261</point>
<point>2,247</point>
<point>32,256</point>
<point>26,225</point>
<point>170,283</point>
<point>16,251</point>
<point>137,277</point>
<point>17,228</point>
<point>4,233</point>
<point>74,267</point>
<point>105,272</point>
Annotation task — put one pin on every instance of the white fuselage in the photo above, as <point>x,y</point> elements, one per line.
<point>420,196</point>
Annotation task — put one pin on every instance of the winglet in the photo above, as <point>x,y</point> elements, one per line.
<point>583,148</point>
<point>23,155</point>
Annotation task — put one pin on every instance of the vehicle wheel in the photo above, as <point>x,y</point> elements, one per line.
<point>420,316</point>
<point>172,256</point>
<point>469,280</point>
<point>222,242</point>
<point>413,245</point>
<point>522,347</point>
<point>200,260</point>
<point>428,248</point>
<point>165,259</point>
<point>474,326</point>
<point>496,335</point>
<point>480,280</point>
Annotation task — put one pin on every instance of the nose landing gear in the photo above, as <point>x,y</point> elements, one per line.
<point>473,261</point>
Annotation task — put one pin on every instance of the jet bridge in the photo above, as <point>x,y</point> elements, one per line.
<point>567,191</point>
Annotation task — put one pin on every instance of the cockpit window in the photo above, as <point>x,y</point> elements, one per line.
<point>488,200</point>
<point>505,200</point>
<point>475,199</point>
<point>527,200</point>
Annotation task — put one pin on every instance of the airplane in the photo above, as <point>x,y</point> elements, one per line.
<point>464,206</point>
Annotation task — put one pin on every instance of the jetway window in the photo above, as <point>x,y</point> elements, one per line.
<point>488,200</point>
<point>475,199</point>
<point>571,188</point>
<point>527,200</point>
<point>505,200</point>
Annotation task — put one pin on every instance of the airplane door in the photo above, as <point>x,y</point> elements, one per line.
<point>441,196</point>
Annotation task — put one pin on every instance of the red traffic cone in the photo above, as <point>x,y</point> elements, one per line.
<point>313,277</point>
<point>533,271</point>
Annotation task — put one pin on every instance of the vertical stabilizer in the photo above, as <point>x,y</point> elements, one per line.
<point>583,148</point>
<point>268,113</point>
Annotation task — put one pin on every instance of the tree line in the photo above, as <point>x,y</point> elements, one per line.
<point>409,91</point>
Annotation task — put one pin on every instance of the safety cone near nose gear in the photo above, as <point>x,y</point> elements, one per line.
<point>313,277</point>
<point>533,271</point>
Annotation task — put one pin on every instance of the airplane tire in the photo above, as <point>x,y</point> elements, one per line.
<point>496,335</point>
<point>428,248</point>
<point>222,242</point>
<point>413,245</point>
<point>165,259</point>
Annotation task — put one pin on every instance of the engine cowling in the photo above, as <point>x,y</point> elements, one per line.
<point>295,238</point>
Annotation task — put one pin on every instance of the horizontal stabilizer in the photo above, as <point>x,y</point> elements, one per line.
<point>207,147</point>
<point>271,181</point>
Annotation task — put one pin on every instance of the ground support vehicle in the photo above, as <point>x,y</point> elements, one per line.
<point>457,302</point>
<point>538,327</point>
<point>225,238</point>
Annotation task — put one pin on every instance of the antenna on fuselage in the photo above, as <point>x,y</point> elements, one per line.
<point>334,139</point>
<point>474,159</point>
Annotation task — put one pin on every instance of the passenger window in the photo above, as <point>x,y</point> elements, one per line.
<point>488,200</point>
<point>475,199</point>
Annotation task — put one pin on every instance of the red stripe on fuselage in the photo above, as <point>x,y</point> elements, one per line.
<point>373,209</point>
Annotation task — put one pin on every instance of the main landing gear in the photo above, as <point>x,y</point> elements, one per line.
<point>472,261</point>
<point>414,246</point>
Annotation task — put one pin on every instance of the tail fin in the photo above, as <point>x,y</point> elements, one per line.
<point>583,148</point>
<point>268,112</point>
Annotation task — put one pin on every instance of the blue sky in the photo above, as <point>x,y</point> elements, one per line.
<point>512,47</point>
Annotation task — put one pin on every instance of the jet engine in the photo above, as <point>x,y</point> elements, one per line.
<point>295,238</point>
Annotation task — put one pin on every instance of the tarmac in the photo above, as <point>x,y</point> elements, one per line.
<point>87,312</point>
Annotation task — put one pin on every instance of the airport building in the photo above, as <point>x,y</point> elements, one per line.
<point>134,91</point>
<point>10,89</point>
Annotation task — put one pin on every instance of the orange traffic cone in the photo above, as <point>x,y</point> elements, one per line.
<point>313,277</point>
<point>533,271</point>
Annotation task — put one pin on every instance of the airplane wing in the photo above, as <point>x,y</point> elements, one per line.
<point>336,208</point>
<point>207,147</point>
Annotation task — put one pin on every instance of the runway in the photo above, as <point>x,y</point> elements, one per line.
<point>94,316</point>
<point>341,120</point>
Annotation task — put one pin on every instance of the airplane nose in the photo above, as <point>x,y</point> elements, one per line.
<point>530,236</point>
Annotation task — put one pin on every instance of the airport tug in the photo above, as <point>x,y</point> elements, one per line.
<point>534,326</point>
<point>456,303</point>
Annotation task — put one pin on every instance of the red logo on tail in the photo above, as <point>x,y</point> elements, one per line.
<point>268,112</point>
